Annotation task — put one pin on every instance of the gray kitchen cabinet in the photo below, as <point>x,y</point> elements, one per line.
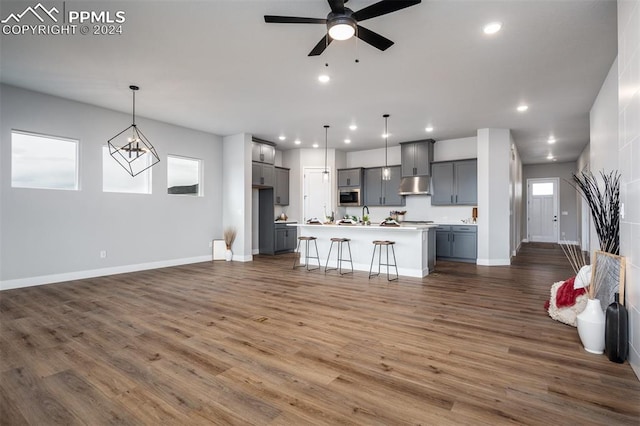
<point>263,153</point>
<point>349,177</point>
<point>262,175</point>
<point>286,238</point>
<point>379,192</point>
<point>457,242</point>
<point>454,183</point>
<point>281,186</point>
<point>416,157</point>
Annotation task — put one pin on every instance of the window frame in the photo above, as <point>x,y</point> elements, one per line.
<point>76,142</point>
<point>200,163</point>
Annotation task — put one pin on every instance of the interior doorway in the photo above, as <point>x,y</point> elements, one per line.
<point>542,210</point>
<point>317,195</point>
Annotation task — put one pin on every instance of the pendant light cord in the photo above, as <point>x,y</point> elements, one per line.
<point>386,139</point>
<point>326,137</point>
<point>134,107</point>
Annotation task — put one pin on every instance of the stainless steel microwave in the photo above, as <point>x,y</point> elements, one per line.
<point>349,197</point>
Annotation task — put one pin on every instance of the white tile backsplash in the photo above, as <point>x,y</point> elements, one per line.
<point>629,147</point>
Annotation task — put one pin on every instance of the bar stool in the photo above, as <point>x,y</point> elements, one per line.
<point>339,259</point>
<point>306,253</point>
<point>378,244</point>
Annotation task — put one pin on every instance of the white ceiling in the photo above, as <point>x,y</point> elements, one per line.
<point>217,66</point>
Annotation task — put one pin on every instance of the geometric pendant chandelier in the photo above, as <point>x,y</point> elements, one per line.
<point>131,149</point>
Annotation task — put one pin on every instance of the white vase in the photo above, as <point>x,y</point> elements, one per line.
<point>228,255</point>
<point>591,327</point>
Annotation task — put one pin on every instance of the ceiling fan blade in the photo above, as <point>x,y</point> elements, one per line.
<point>322,44</point>
<point>337,6</point>
<point>374,39</point>
<point>382,8</point>
<point>293,20</point>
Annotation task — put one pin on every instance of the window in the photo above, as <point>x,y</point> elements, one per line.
<point>183,176</point>
<point>45,162</point>
<point>540,188</point>
<point>116,179</point>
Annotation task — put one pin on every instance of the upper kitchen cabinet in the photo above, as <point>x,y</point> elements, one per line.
<point>263,175</point>
<point>282,186</point>
<point>454,183</point>
<point>379,192</point>
<point>263,152</point>
<point>350,177</point>
<point>416,157</point>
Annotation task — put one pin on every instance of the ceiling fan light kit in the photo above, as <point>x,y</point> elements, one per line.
<point>342,23</point>
<point>341,27</point>
<point>131,148</point>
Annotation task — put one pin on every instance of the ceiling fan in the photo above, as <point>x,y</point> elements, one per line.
<point>342,22</point>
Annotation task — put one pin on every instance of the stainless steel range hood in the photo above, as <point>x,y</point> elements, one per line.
<point>415,185</point>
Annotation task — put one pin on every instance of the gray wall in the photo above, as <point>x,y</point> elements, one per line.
<point>566,195</point>
<point>51,235</point>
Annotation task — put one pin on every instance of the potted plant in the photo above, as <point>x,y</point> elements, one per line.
<point>229,237</point>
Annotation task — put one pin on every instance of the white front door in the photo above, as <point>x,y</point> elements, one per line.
<point>542,210</point>
<point>317,195</point>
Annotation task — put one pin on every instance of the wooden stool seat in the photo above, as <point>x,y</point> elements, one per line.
<point>307,238</point>
<point>378,244</point>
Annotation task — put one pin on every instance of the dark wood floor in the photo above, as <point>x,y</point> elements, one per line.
<point>258,343</point>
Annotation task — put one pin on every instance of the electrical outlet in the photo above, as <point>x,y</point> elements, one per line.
<point>103,254</point>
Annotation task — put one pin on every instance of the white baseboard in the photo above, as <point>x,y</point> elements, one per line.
<point>238,258</point>
<point>525,240</point>
<point>92,273</point>
<point>493,262</point>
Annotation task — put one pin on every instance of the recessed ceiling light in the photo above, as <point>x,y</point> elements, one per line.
<point>549,157</point>
<point>347,141</point>
<point>492,27</point>
<point>386,135</point>
<point>297,142</point>
<point>315,145</point>
<point>428,129</point>
<point>353,127</point>
<point>555,159</point>
<point>324,78</point>
<point>522,108</point>
<point>282,137</point>
<point>551,140</point>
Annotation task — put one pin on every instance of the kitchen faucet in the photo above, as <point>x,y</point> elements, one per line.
<point>363,208</point>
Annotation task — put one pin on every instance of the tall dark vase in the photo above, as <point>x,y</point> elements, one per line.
<point>616,332</point>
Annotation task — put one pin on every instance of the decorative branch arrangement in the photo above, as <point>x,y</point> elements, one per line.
<point>575,255</point>
<point>229,236</point>
<point>604,205</point>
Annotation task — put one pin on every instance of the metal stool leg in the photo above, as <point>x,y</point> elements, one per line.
<point>326,266</point>
<point>372,259</point>
<point>395,263</point>
<point>297,255</point>
<point>350,258</point>
<point>317,256</point>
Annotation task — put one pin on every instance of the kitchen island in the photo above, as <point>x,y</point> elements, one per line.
<point>415,245</point>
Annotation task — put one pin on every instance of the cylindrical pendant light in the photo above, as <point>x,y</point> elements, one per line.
<point>325,173</point>
<point>386,172</point>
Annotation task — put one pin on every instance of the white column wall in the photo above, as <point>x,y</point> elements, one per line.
<point>494,147</point>
<point>237,194</point>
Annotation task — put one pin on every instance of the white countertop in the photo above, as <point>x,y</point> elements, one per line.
<point>402,227</point>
